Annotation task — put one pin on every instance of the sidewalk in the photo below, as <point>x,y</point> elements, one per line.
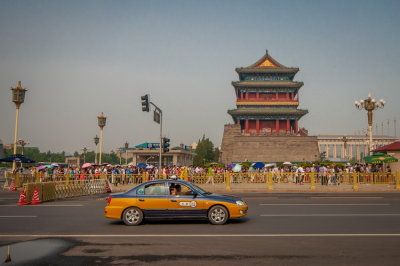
<point>282,188</point>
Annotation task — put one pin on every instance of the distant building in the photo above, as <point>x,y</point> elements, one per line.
<point>356,146</point>
<point>73,162</point>
<point>194,145</point>
<point>149,152</point>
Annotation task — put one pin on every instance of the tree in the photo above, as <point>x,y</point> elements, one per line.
<point>204,152</point>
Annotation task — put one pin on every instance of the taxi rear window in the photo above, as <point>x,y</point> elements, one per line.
<point>157,189</point>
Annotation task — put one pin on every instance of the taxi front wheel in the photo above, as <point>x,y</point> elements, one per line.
<point>218,215</point>
<point>132,216</point>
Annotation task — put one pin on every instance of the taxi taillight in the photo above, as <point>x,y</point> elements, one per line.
<point>109,200</point>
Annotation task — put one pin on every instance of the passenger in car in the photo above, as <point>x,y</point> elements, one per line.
<point>176,190</point>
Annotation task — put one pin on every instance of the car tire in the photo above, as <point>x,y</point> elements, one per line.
<point>132,216</point>
<point>218,215</point>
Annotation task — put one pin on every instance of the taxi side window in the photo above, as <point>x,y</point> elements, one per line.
<point>140,191</point>
<point>155,189</point>
<point>179,189</point>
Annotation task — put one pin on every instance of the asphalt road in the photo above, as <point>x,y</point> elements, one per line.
<point>280,229</point>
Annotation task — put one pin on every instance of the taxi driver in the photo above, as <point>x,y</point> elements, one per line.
<point>176,189</point>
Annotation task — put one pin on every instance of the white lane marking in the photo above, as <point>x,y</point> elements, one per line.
<point>338,197</point>
<point>331,215</point>
<point>210,235</point>
<point>18,216</point>
<point>43,205</point>
<point>327,204</point>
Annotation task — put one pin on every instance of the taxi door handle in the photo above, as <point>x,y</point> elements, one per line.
<point>141,199</point>
<point>173,200</point>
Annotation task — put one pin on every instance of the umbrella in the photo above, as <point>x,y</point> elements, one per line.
<point>55,165</point>
<point>142,165</point>
<point>18,158</point>
<point>213,163</point>
<point>237,168</point>
<point>270,165</point>
<point>150,167</point>
<point>258,165</point>
<point>287,163</point>
<point>86,165</point>
<point>41,167</point>
<point>231,165</point>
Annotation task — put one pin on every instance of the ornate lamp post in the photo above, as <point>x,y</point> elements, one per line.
<point>18,97</point>
<point>126,152</point>
<point>96,141</point>
<point>370,105</point>
<point>102,123</point>
<point>22,143</point>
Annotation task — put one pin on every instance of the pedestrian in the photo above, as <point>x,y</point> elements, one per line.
<point>210,175</point>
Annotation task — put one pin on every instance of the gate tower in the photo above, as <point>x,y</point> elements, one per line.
<point>267,116</point>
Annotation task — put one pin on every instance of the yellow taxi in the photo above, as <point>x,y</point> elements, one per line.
<point>171,199</point>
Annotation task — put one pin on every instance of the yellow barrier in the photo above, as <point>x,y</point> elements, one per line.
<point>269,179</point>
<point>312,181</point>
<point>397,180</point>
<point>227,179</point>
<point>64,189</point>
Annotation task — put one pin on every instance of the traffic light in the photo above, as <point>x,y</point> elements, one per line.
<point>165,144</point>
<point>145,103</point>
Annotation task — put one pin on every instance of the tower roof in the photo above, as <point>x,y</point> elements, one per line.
<point>267,64</point>
<point>267,110</point>
<point>286,84</point>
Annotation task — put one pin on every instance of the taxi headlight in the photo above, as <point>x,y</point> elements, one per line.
<point>239,203</point>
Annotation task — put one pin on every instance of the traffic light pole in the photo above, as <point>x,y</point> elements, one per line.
<point>160,112</point>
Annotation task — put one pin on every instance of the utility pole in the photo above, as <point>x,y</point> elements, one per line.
<point>157,118</point>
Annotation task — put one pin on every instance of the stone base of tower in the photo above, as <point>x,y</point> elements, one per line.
<point>238,148</point>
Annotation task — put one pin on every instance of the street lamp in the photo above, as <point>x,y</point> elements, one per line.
<point>102,123</point>
<point>370,105</point>
<point>96,141</point>
<point>120,155</point>
<point>18,97</point>
<point>151,157</point>
<point>126,152</point>
<point>22,143</point>
<point>84,154</point>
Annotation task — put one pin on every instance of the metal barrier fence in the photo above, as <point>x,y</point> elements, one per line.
<point>65,189</point>
<point>270,179</point>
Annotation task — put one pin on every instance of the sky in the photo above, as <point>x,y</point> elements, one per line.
<point>80,58</point>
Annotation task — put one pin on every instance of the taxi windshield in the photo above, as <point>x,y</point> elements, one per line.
<point>200,190</point>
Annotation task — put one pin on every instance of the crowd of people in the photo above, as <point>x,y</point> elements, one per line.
<point>299,174</point>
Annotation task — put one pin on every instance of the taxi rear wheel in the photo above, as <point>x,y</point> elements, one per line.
<point>132,216</point>
<point>218,215</point>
